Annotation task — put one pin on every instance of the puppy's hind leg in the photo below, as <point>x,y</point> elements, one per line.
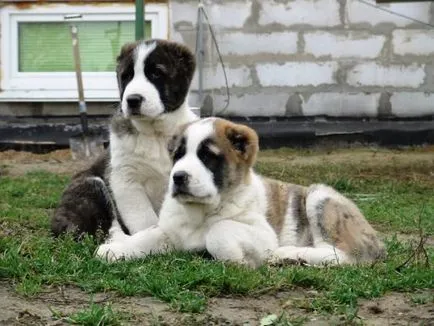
<point>325,255</point>
<point>336,221</point>
<point>323,250</point>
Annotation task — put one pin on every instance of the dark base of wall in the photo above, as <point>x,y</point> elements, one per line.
<point>274,133</point>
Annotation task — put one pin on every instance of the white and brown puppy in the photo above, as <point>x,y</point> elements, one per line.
<point>154,77</point>
<point>218,203</point>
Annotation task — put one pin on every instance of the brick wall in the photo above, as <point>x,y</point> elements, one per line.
<point>315,57</point>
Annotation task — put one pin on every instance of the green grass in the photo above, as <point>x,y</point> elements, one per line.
<point>94,315</point>
<point>32,260</point>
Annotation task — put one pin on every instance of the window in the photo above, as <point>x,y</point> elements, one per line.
<point>36,49</point>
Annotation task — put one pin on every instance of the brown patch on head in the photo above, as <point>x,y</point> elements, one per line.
<point>238,142</point>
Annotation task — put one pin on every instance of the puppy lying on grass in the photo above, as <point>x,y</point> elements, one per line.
<point>216,202</point>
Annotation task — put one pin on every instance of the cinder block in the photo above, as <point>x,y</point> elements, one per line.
<point>344,44</point>
<point>408,104</point>
<point>372,74</point>
<point>221,15</point>
<point>415,42</point>
<point>183,12</point>
<point>214,78</point>
<point>297,73</point>
<point>239,43</point>
<point>229,14</point>
<point>315,13</point>
<point>252,104</point>
<point>342,105</point>
<point>358,12</point>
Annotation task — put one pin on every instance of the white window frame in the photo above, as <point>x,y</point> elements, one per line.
<point>62,86</point>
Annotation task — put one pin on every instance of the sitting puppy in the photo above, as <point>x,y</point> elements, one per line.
<point>127,185</point>
<point>217,202</point>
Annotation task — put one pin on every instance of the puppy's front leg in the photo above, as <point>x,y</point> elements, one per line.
<point>135,208</point>
<point>150,241</point>
<point>249,244</point>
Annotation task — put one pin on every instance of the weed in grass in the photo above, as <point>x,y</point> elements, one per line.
<point>422,298</point>
<point>283,320</point>
<point>94,315</point>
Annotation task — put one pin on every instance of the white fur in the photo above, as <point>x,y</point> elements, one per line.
<point>140,164</point>
<point>233,230</point>
<point>201,184</point>
<point>326,255</point>
<point>151,106</point>
<point>288,235</point>
<point>231,225</point>
<point>140,167</point>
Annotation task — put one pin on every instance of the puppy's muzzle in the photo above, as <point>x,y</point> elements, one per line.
<point>180,183</point>
<point>134,102</point>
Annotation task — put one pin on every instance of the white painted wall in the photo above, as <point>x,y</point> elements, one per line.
<point>315,57</point>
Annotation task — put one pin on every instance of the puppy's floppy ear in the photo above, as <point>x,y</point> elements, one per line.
<point>241,140</point>
<point>125,66</point>
<point>126,50</point>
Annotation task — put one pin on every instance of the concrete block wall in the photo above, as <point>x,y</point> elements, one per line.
<point>339,58</point>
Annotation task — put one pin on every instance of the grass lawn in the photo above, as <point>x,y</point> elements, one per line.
<point>395,192</point>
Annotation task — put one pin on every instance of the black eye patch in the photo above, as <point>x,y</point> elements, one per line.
<point>179,151</point>
<point>213,161</point>
<point>125,75</point>
<point>155,72</point>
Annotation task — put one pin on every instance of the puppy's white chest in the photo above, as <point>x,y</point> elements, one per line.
<point>143,155</point>
<point>185,228</point>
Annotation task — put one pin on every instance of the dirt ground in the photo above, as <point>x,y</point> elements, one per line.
<point>392,309</point>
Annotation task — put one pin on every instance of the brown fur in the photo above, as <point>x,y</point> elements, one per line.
<point>240,146</point>
<point>278,197</point>
<point>227,133</point>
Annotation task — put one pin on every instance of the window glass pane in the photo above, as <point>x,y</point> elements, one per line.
<point>47,47</point>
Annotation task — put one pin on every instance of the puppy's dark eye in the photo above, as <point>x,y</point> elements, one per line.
<point>159,71</point>
<point>156,75</point>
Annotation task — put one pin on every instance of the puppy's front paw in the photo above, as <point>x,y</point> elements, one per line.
<point>111,252</point>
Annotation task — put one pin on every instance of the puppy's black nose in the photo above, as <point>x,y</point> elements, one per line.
<point>134,102</point>
<point>180,178</point>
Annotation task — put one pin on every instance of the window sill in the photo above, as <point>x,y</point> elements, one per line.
<point>58,96</point>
